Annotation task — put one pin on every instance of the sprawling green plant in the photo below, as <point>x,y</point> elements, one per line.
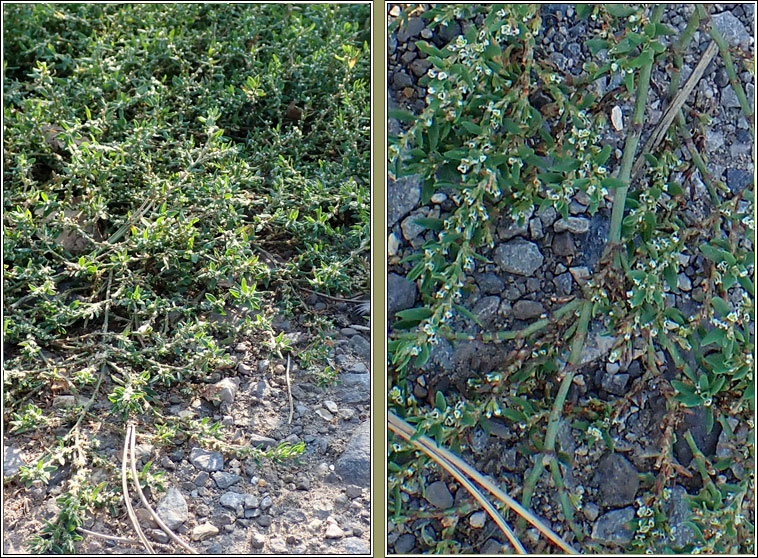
<point>504,131</point>
<point>159,202</point>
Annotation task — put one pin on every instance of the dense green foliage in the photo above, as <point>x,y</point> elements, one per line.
<point>158,199</point>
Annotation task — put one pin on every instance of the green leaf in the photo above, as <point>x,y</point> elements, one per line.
<point>472,128</point>
<point>439,401</point>
<point>716,335</point>
<point>717,255</point>
<point>721,306</point>
<point>669,273</point>
<point>429,50</point>
<point>686,394</point>
<point>468,314</point>
<point>434,136</point>
<point>583,11</point>
<point>613,182</point>
<point>430,223</point>
<point>422,357</point>
<point>565,165</point>
<point>596,45</point>
<point>511,127</point>
<point>663,29</point>
<point>603,155</point>
<point>619,10</point>
<point>418,314</point>
<point>402,115</point>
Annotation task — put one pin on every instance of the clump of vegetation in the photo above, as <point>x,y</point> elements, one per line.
<point>160,201</point>
<point>484,141</point>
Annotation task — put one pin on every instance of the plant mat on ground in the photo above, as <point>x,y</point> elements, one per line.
<point>507,134</point>
<point>164,220</point>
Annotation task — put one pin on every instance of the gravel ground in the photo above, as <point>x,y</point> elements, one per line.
<point>318,504</point>
<point>537,266</point>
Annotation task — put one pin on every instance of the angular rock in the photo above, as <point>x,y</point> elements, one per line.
<point>489,283</point>
<point>354,465</point>
<point>738,180</point>
<point>409,227</point>
<point>12,461</point>
<point>679,511</point>
<point>411,29</point>
<point>564,283</point>
<point>172,509</point>
<point>527,309</point>
<point>731,28</point>
<point>204,531</point>
<point>611,528</point>
<point>420,66</point>
<point>518,256</point>
<point>618,480</point>
<point>574,225</point>
<point>225,480</point>
<point>402,196</point>
<point>401,293</point>
<point>563,244</point>
<point>354,545</point>
<point>233,500</point>
<point>486,309</point>
<point>209,461</point>
<point>405,543</point>
<point>438,495</point>
<point>361,347</point>
<point>226,389</point>
<point>333,531</point>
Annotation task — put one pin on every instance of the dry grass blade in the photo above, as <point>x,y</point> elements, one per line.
<point>458,475</point>
<point>125,487</point>
<point>404,429</point>
<point>673,109</point>
<point>145,503</point>
<point>289,391</point>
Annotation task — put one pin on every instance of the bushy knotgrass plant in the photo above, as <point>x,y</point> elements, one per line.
<point>159,203</point>
<point>484,141</point>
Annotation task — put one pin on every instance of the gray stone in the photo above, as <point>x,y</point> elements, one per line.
<point>361,347</point>
<point>527,309</point>
<point>448,32</point>
<point>618,480</point>
<point>206,460</point>
<point>172,509</point>
<point>683,282</point>
<point>12,461</point>
<point>405,543</point>
<point>225,480</point>
<point>401,293</point>
<point>408,57</point>
<point>729,98</point>
<point>575,225</point>
<point>512,228</point>
<point>486,310</point>
<point>354,545</point>
<point>714,140</point>
<point>547,216</point>
<point>234,501</point>
<point>535,229</point>
<point>333,531</point>
<point>401,80</point>
<point>489,283</point>
<point>356,380</point>
<point>257,540</point>
<point>409,227</point>
<point>354,465</point>
<point>591,511</point>
<point>615,383</point>
<point>707,442</point>
<point>611,528</point>
<point>731,29</point>
<point>420,66</point>
<point>563,244</point>
<point>564,282</point>
<point>738,180</point>
<point>226,389</point>
<point>258,440</point>
<point>438,495</point>
<point>402,196</point>
<point>410,30</point>
<point>518,256</point>
<point>204,531</point>
<point>679,511</point>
